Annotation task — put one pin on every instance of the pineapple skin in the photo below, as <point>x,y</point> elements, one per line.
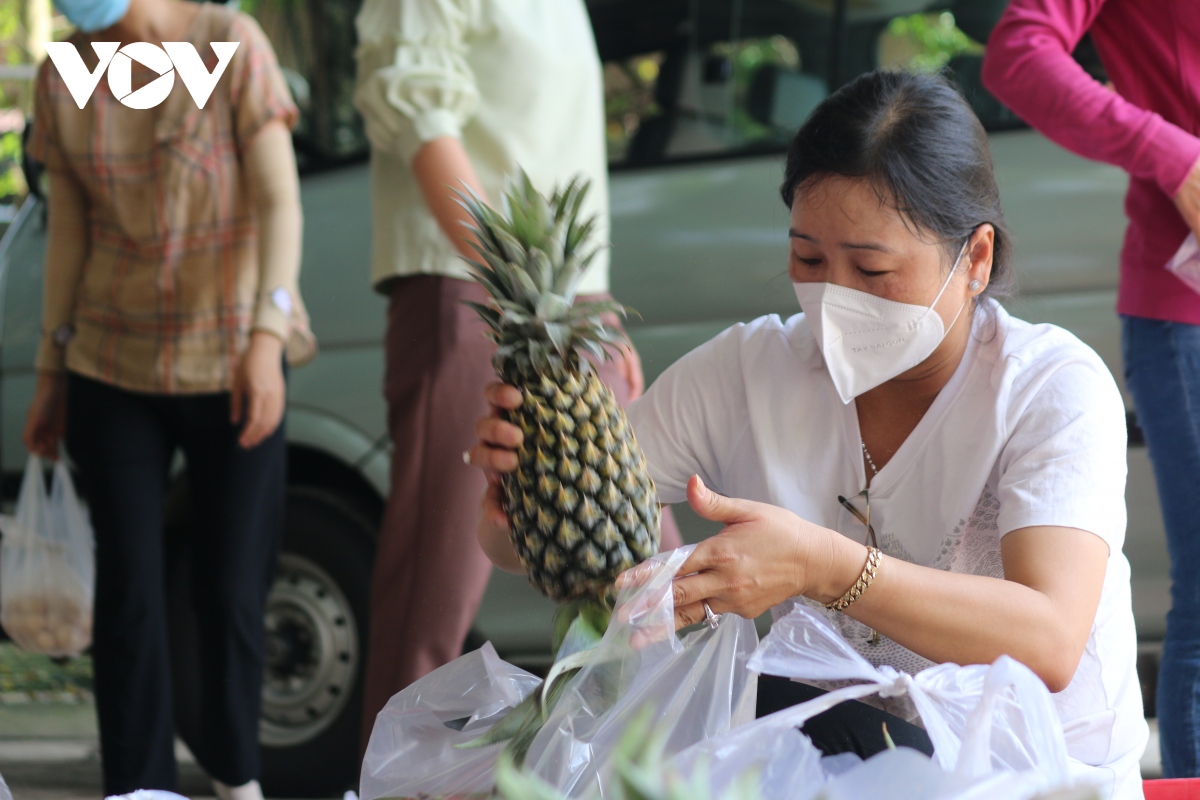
<point>581,505</point>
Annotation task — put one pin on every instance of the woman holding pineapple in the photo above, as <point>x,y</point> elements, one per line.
<point>946,480</point>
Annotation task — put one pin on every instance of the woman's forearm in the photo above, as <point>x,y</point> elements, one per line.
<point>270,167</point>
<point>441,166</point>
<point>66,253</point>
<point>971,619</point>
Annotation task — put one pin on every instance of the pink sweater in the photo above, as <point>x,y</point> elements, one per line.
<point>1148,127</point>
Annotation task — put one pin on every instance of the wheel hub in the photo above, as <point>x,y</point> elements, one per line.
<point>312,654</point>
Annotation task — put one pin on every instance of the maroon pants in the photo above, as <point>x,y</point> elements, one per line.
<point>430,573</point>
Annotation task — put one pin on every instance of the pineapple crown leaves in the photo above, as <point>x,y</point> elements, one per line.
<point>532,255</point>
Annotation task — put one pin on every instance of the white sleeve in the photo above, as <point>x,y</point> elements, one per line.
<point>414,82</point>
<point>1064,464</point>
<point>691,418</point>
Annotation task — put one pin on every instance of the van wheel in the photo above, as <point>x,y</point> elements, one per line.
<point>316,622</point>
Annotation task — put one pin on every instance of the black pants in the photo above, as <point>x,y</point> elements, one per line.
<point>850,727</point>
<point>123,443</point>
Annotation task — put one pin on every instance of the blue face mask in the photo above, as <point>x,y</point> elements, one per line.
<point>93,15</point>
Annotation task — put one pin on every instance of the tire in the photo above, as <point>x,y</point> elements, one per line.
<point>316,644</point>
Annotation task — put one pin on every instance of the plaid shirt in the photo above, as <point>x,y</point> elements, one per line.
<point>169,289</point>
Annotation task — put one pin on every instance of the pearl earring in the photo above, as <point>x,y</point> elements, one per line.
<point>975,286</point>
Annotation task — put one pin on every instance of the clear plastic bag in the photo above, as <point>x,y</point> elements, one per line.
<point>1185,264</point>
<point>687,689</point>
<point>994,728</point>
<point>413,750</point>
<point>47,566</point>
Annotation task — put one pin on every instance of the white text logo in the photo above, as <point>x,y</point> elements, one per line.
<point>178,57</point>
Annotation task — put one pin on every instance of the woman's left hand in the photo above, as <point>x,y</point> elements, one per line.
<point>764,556</point>
<point>259,393</point>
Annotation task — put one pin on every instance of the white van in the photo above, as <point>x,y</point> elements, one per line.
<point>702,98</point>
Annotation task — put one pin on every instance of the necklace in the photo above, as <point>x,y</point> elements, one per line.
<point>870,461</point>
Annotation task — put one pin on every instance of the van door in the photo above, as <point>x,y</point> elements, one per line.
<point>22,253</point>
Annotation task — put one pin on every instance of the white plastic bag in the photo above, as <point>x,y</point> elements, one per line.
<point>687,689</point>
<point>994,728</point>
<point>47,567</point>
<point>412,751</point>
<point>1185,264</point>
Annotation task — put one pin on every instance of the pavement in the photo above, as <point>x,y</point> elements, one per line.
<point>49,751</point>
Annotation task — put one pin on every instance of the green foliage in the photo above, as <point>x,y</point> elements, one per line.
<point>934,38</point>
<point>29,674</point>
<point>629,90</point>
<point>747,58</point>
<point>11,181</point>
<point>10,24</point>
<point>15,97</point>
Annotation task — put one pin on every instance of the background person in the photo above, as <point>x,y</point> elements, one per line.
<point>904,431</point>
<point>1149,126</point>
<point>170,291</point>
<point>458,92</point>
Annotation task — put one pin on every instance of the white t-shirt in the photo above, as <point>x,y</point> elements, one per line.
<point>1029,431</point>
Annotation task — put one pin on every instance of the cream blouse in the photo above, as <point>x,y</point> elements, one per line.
<point>518,81</point>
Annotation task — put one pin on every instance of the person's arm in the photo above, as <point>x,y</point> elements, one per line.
<point>66,253</point>
<point>416,91</point>
<point>1041,613</point>
<point>1028,66</point>
<point>259,395</point>
<point>440,166</point>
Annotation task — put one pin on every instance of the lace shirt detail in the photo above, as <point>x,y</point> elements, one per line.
<point>972,548</point>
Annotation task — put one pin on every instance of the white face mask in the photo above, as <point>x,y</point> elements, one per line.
<point>866,340</point>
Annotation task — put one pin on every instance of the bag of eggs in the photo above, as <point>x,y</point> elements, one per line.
<point>47,566</point>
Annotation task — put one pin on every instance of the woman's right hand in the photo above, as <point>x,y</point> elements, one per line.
<point>46,421</point>
<point>495,454</point>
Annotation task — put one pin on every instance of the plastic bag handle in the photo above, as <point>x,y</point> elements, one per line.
<point>32,503</point>
<point>63,495</point>
<point>1046,740</point>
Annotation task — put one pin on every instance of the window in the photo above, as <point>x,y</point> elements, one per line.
<point>708,78</point>
<point>315,44</point>
<point>949,37</point>
<point>932,41</point>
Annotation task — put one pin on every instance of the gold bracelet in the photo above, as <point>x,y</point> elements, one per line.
<point>860,585</point>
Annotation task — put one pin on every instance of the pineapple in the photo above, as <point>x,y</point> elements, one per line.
<point>581,505</point>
